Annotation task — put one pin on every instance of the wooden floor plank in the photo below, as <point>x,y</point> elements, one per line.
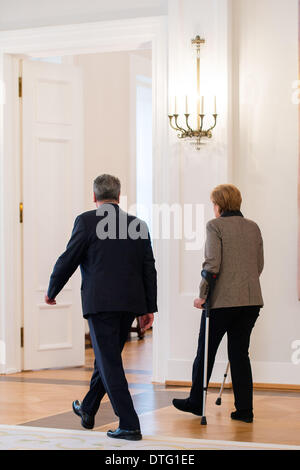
<point>43,398</point>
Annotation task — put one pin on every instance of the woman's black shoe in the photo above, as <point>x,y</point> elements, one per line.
<point>87,421</point>
<point>185,405</point>
<point>246,416</point>
<point>124,434</point>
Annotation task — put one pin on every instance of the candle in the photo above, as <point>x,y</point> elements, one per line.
<point>202,105</point>
<point>215,105</point>
<point>186,105</point>
<point>170,106</point>
<point>175,105</point>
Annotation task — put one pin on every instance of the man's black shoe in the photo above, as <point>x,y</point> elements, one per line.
<point>124,434</point>
<point>87,421</point>
<point>187,406</point>
<point>245,416</point>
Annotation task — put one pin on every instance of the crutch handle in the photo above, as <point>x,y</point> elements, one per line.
<point>211,279</point>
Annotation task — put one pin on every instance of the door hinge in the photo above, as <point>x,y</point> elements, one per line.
<point>20,87</point>
<point>21,212</point>
<point>22,337</point>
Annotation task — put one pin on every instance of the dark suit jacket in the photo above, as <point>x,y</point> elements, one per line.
<point>118,272</point>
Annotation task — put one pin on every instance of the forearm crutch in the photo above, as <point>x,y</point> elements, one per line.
<point>211,280</point>
<point>219,399</point>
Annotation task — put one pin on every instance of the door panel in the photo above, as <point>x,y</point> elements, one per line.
<point>52,196</point>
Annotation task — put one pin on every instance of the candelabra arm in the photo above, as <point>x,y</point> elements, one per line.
<point>201,122</point>
<point>187,122</point>
<point>176,123</point>
<point>171,124</point>
<point>215,123</point>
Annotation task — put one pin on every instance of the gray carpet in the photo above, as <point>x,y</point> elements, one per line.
<point>143,403</point>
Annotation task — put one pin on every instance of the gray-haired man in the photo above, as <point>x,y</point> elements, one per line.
<point>119,283</point>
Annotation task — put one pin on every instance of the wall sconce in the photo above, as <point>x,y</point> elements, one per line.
<point>188,132</point>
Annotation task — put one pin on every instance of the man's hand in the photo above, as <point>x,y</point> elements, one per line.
<point>198,303</point>
<point>49,301</point>
<point>146,321</point>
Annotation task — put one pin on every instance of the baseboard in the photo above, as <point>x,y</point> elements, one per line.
<point>277,387</point>
<point>4,371</point>
<point>266,375</point>
<point>276,375</point>
<point>181,371</point>
<point>178,383</point>
<point>256,386</point>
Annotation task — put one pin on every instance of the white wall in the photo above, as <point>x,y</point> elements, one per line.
<point>141,135</point>
<point>106,105</point>
<point>108,118</point>
<point>262,62</point>
<point>194,173</point>
<point>18,14</point>
<point>266,169</point>
<point>251,55</point>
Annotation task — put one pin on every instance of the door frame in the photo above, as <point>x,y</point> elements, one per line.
<point>59,41</point>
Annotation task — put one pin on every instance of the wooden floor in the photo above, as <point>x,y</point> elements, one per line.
<point>43,398</point>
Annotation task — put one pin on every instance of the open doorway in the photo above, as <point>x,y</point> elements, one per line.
<point>112,135</point>
<point>118,128</point>
<point>63,44</point>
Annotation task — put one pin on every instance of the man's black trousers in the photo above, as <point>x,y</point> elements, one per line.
<point>237,322</point>
<point>109,332</point>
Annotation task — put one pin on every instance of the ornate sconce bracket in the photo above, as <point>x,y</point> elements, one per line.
<point>187,132</point>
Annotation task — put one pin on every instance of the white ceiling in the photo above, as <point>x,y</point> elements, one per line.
<point>19,14</point>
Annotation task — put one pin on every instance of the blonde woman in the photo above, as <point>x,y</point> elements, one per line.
<point>234,250</point>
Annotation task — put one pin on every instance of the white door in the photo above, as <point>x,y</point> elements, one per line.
<point>53,180</point>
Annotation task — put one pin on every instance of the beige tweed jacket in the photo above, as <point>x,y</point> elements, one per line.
<point>234,249</point>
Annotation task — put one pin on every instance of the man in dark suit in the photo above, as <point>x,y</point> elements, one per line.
<point>119,283</point>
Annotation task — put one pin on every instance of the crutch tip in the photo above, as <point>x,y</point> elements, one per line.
<point>218,401</point>
<point>203,421</point>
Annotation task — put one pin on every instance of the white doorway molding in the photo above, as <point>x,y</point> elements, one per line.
<point>60,41</point>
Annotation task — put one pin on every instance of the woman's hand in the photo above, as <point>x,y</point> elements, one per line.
<point>198,303</point>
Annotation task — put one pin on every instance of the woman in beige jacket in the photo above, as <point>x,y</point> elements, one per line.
<point>234,250</point>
